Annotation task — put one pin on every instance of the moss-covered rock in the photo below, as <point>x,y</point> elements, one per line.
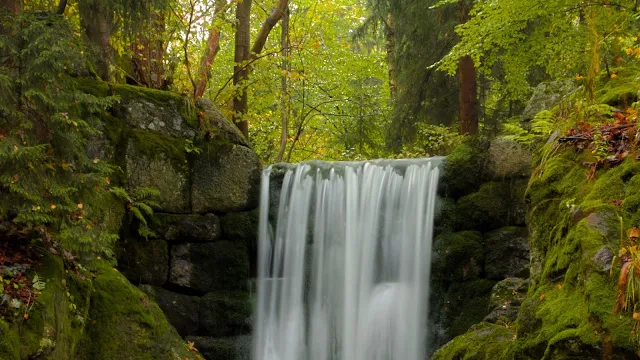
<point>243,226</point>
<point>225,314</point>
<point>225,348</point>
<point>144,261</point>
<point>181,310</point>
<point>460,256</point>
<point>204,267</point>
<point>176,228</point>
<point>221,128</point>
<point>507,253</point>
<point>466,168</point>
<point>226,178</point>
<point>482,342</point>
<point>494,205</point>
<point>157,161</point>
<point>123,323</point>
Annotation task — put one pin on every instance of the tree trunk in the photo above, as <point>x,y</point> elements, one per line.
<point>468,86</point>
<point>204,71</point>
<point>391,61</point>
<point>98,25</point>
<point>240,72</point>
<point>286,68</point>
<point>11,6</point>
<point>148,54</point>
<point>242,55</point>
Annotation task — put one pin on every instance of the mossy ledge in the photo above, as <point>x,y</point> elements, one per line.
<point>568,312</point>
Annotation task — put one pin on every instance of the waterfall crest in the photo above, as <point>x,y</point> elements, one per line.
<point>344,274</point>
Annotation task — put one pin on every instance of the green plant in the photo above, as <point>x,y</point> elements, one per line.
<point>52,191</point>
<point>140,203</point>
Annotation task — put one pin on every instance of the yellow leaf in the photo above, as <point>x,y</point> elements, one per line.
<point>614,75</point>
<point>542,297</point>
<point>96,160</point>
<point>633,232</point>
<point>80,206</point>
<point>559,286</point>
<point>579,77</point>
<point>108,180</point>
<point>636,316</point>
<point>53,206</point>
<point>26,316</point>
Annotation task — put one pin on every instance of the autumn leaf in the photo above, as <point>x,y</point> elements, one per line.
<point>80,206</point>
<point>614,75</point>
<point>542,297</point>
<point>633,232</point>
<point>53,206</point>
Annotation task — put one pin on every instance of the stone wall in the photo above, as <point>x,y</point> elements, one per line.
<point>195,265</point>
<point>480,237</point>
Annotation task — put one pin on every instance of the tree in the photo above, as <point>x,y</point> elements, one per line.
<point>244,57</point>
<point>468,84</point>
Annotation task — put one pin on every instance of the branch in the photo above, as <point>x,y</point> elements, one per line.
<point>210,53</point>
<point>61,7</point>
<point>268,24</point>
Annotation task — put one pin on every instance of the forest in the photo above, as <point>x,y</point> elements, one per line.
<point>133,134</point>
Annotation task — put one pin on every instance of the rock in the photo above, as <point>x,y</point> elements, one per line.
<point>225,314</point>
<point>511,290</point>
<point>187,228</point>
<point>225,129</point>
<point>226,348</point>
<point>181,310</point>
<point>123,323</point>
<point>605,222</point>
<point>205,267</point>
<point>225,179</point>
<point>505,300</point>
<point>509,159</point>
<point>243,226</point>
<point>602,260</point>
<point>494,205</point>
<point>465,169</point>
<point>160,170</point>
<point>546,96</point>
<point>144,261</point>
<point>144,114</point>
<point>459,256</point>
<point>507,253</point>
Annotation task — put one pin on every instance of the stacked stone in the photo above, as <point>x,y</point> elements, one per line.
<point>197,264</point>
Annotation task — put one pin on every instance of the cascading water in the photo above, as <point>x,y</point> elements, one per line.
<point>345,274</point>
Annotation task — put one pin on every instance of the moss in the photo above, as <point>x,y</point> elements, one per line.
<point>621,90</point>
<point>494,205</point>
<point>124,324</point>
<point>466,168</point>
<point>9,342</point>
<point>483,341</point>
<point>460,255</point>
<point>186,108</point>
<point>154,145</point>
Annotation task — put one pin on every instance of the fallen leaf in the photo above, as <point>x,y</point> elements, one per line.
<point>542,297</point>
<point>80,206</point>
<point>634,233</point>
<point>53,206</point>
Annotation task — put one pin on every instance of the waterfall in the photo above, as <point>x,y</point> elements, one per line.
<point>344,273</point>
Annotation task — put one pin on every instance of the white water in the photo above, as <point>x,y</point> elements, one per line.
<point>345,273</point>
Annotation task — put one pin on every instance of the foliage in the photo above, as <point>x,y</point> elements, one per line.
<point>542,125</point>
<point>51,189</point>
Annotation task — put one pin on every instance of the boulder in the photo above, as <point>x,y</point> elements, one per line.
<point>505,300</point>
<point>465,169</point>
<point>225,130</point>
<point>181,310</point>
<point>204,267</point>
<point>225,348</point>
<point>602,260</point>
<point>187,228</point>
<point>123,323</point>
<point>225,314</point>
<point>507,253</point>
<point>152,162</point>
<point>494,205</point>
<point>546,96</point>
<point>144,261</point>
<point>225,179</point>
<point>165,118</point>
<point>509,159</point>
<point>243,226</point>
<point>458,256</point>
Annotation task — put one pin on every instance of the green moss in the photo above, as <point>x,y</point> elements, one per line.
<point>185,105</point>
<point>483,341</point>
<point>9,342</point>
<point>460,255</point>
<point>494,205</point>
<point>154,145</point>
<point>621,90</point>
<point>124,324</point>
<point>466,168</point>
